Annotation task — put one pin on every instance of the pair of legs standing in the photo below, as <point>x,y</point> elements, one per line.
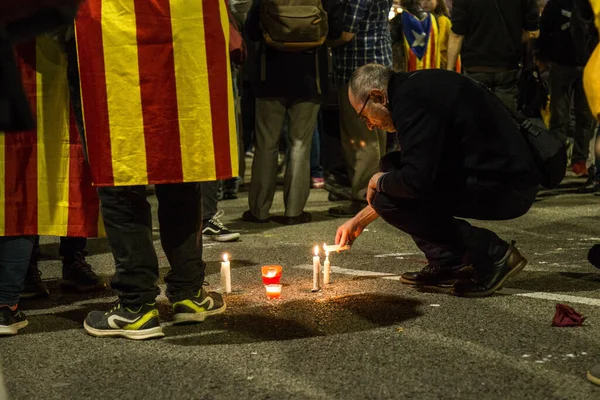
<point>128,221</point>
<point>270,114</point>
<point>566,91</point>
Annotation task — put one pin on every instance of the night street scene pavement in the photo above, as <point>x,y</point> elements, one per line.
<point>363,336</point>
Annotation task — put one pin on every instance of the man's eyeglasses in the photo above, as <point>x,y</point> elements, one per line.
<point>360,114</point>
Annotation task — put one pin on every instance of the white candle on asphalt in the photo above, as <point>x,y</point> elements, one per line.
<point>226,274</point>
<point>316,271</point>
<point>326,267</point>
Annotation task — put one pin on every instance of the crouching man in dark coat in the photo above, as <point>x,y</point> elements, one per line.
<point>462,156</point>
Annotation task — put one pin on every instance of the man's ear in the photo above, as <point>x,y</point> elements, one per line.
<point>378,96</point>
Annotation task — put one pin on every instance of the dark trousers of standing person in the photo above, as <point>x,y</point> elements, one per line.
<point>210,199</point>
<point>503,84</point>
<point>566,85</point>
<point>128,222</point>
<point>433,223</point>
<point>68,249</point>
<point>248,109</point>
<point>15,252</point>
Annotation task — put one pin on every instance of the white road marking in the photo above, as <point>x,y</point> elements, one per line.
<point>558,297</point>
<point>395,255</point>
<point>562,298</point>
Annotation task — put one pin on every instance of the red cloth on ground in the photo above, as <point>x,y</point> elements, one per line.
<point>566,316</point>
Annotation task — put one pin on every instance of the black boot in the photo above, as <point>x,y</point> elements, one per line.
<point>490,278</point>
<point>34,286</point>
<point>434,275</point>
<point>591,186</point>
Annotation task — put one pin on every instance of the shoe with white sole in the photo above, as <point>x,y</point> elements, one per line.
<point>213,229</point>
<point>198,308</point>
<point>11,320</point>
<point>138,323</point>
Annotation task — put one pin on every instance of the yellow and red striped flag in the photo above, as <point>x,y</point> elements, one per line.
<point>157,91</point>
<point>45,184</point>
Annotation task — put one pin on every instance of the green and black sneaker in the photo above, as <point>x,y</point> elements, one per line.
<point>198,308</point>
<point>125,321</point>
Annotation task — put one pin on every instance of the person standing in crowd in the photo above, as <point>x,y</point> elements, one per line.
<point>557,47</point>
<point>285,83</point>
<point>463,156</point>
<point>439,8</point>
<point>77,274</point>
<point>488,34</point>
<point>212,227</point>
<point>415,38</point>
<point>366,39</point>
<point>45,188</point>
<point>165,113</point>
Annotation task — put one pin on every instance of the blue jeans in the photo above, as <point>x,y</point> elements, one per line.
<point>15,252</point>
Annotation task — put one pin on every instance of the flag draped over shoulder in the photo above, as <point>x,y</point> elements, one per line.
<point>45,185</point>
<point>157,91</point>
<point>421,42</point>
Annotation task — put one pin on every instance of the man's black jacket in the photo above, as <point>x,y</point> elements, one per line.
<point>15,114</point>
<point>451,129</point>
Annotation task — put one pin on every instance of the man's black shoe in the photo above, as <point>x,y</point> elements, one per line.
<point>591,186</point>
<point>11,321</point>
<point>491,278</point>
<point>434,275</point>
<point>348,210</point>
<point>34,286</point>
<point>249,217</point>
<point>80,276</point>
<point>303,218</point>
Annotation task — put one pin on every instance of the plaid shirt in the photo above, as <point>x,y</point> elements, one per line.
<point>368,20</point>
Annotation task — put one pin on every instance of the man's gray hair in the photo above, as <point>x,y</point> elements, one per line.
<point>368,77</point>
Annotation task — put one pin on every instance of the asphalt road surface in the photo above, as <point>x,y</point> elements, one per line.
<point>365,336</point>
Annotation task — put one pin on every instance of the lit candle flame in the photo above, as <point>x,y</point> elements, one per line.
<point>225,257</point>
<point>316,251</point>
<point>326,250</point>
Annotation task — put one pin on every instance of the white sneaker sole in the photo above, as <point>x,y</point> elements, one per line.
<point>13,329</point>
<point>182,318</point>
<point>135,335</point>
<point>230,237</point>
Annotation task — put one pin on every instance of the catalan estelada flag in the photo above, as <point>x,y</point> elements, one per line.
<point>421,42</point>
<point>157,91</point>
<point>45,185</point>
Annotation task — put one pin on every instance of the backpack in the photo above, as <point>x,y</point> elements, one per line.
<point>293,25</point>
<point>548,152</point>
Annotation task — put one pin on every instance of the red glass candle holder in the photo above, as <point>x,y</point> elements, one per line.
<point>271,274</point>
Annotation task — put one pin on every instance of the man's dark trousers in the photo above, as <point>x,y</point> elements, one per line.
<point>445,239</point>
<point>128,221</point>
